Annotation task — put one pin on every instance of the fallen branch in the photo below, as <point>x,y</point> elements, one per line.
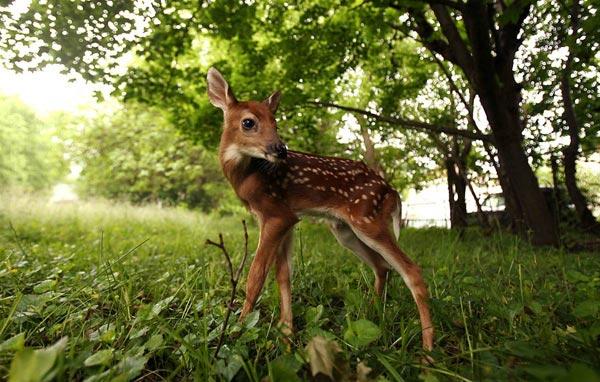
<point>234,278</point>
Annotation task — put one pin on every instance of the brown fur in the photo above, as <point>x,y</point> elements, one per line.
<point>278,189</point>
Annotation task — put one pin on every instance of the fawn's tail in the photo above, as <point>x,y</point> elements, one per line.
<point>397,217</point>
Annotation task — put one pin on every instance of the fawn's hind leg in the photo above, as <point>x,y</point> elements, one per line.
<point>377,236</point>
<point>347,238</point>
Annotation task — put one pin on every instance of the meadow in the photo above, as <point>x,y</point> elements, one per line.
<point>101,291</point>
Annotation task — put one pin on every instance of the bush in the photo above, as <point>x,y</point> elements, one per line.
<point>137,155</point>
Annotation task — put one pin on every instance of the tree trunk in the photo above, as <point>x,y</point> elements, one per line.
<point>570,153</point>
<point>586,218</point>
<point>501,105</point>
<point>487,57</point>
<point>457,187</point>
<point>523,183</point>
<point>500,95</point>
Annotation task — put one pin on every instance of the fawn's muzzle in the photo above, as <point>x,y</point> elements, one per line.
<point>279,150</point>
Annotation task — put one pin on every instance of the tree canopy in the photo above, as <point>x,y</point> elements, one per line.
<point>421,77</point>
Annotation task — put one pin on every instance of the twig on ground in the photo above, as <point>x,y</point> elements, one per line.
<point>234,279</point>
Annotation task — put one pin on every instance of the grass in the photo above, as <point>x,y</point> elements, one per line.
<point>134,294</point>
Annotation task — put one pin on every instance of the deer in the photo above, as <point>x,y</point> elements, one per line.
<point>279,186</point>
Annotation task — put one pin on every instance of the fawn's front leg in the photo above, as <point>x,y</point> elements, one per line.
<point>272,233</point>
<point>283,270</point>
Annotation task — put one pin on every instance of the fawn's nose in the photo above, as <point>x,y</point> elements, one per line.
<point>279,149</point>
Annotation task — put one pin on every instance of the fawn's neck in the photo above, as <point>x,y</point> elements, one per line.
<point>233,163</point>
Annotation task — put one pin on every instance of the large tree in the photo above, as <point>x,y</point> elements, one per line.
<point>305,48</point>
<point>565,76</point>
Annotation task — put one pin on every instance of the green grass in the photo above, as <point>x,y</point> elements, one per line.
<point>137,290</point>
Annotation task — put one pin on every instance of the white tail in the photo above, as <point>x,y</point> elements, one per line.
<point>397,219</point>
<point>279,186</point>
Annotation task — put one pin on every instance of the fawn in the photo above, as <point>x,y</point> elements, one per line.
<point>278,186</point>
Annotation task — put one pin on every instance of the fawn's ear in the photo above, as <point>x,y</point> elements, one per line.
<point>219,92</point>
<point>273,101</point>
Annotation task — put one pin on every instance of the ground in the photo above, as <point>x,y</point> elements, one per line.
<point>117,291</point>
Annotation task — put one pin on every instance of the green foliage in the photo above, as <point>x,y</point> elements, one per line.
<point>34,365</point>
<point>355,59</point>
<point>135,154</point>
<point>361,333</point>
<point>31,155</point>
<point>502,309</point>
<point>544,65</point>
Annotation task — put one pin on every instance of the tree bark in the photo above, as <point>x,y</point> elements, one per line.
<point>457,188</point>
<point>587,220</point>
<point>500,95</point>
<point>486,58</point>
<point>512,207</point>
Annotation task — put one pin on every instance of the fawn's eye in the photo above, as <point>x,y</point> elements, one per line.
<point>248,123</point>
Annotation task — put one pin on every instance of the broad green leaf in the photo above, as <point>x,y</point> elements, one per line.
<point>252,319</point>
<point>231,366</point>
<point>313,314</point>
<point>102,357</point>
<point>154,342</point>
<point>130,367</point>
<point>44,286</point>
<point>545,372</point>
<point>139,333</point>
<point>16,342</point>
<point>105,333</point>
<point>159,306</point>
<point>580,372</point>
<point>536,307</point>
<point>31,365</point>
<point>361,333</point>
<point>285,368</point>
<point>586,309</point>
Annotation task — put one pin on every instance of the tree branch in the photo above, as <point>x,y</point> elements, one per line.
<point>414,125</point>
<point>234,280</point>
<point>448,3</point>
<point>476,23</point>
<point>509,42</point>
<point>426,34</point>
<point>448,25</point>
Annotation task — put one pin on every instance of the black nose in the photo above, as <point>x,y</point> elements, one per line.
<point>279,150</point>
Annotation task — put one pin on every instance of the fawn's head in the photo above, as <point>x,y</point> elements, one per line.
<point>250,129</point>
